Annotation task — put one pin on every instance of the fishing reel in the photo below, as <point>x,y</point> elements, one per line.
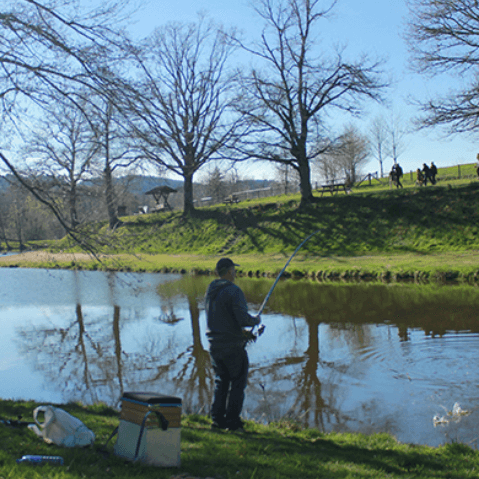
<point>250,336</point>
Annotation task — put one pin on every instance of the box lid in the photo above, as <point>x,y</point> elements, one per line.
<point>151,398</point>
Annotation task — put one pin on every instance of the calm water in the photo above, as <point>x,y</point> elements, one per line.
<point>368,358</point>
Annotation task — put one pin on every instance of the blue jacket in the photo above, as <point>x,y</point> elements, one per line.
<point>226,315</point>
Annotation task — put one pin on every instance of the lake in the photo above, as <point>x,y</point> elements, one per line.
<point>344,357</point>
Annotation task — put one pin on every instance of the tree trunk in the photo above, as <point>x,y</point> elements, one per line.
<point>110,197</point>
<point>305,182</point>
<point>19,226</point>
<point>189,207</point>
<point>72,205</point>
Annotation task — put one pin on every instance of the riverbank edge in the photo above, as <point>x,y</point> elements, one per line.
<point>284,448</point>
<point>444,268</point>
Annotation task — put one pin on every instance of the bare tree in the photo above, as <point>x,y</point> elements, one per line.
<point>186,111</point>
<point>379,139</point>
<point>287,100</point>
<point>62,149</point>
<point>286,177</point>
<point>48,48</point>
<point>444,37</point>
<point>115,151</point>
<point>352,151</point>
<point>327,165</point>
<point>397,132</point>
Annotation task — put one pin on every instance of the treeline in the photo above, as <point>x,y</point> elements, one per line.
<point>24,218</point>
<point>84,101</point>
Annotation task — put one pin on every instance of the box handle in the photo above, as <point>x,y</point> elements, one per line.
<point>161,420</point>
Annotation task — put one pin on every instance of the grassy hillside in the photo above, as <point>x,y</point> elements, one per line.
<point>376,232</point>
<point>369,221</point>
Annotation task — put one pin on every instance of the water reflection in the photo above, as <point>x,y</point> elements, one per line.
<point>344,357</point>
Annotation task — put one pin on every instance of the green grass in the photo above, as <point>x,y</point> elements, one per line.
<point>377,232</point>
<point>416,220</point>
<point>279,450</point>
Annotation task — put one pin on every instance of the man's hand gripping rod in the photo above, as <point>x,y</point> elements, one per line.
<point>261,328</point>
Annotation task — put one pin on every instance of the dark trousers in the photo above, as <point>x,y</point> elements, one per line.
<point>231,376</point>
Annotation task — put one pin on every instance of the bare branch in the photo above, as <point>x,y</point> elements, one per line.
<point>287,101</point>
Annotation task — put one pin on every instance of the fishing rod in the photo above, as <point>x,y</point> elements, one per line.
<point>283,270</point>
<point>270,292</point>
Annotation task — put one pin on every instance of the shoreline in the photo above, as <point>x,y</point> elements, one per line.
<point>445,268</point>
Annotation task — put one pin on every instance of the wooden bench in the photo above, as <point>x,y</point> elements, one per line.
<point>335,187</point>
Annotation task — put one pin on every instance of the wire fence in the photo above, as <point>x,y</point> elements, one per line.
<point>449,173</point>
<point>257,193</point>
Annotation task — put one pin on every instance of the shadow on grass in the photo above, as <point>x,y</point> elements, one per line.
<point>283,454</point>
<point>280,452</point>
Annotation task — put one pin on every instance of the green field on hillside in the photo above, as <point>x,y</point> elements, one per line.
<point>411,232</point>
<point>410,220</point>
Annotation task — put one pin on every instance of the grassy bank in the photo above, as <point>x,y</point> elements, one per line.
<point>281,450</point>
<point>427,233</point>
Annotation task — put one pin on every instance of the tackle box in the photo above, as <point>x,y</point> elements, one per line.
<point>150,429</point>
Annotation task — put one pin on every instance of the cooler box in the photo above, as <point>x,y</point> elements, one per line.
<point>149,431</point>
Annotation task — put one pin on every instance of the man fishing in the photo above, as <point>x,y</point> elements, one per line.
<point>226,316</point>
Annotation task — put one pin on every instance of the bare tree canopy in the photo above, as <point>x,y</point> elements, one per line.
<point>287,100</point>
<point>52,50</point>
<point>443,36</point>
<point>62,148</point>
<point>351,152</point>
<point>185,112</point>
<point>48,45</point>
<point>379,139</point>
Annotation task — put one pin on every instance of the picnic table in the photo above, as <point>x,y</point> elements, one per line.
<point>335,186</point>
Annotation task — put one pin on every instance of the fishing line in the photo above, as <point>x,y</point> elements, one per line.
<point>282,271</point>
<point>261,328</point>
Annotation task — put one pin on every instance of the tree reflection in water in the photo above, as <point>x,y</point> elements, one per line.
<point>326,359</point>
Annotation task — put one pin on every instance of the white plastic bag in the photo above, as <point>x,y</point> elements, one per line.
<point>61,428</point>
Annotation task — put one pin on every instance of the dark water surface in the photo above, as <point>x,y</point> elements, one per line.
<point>366,358</point>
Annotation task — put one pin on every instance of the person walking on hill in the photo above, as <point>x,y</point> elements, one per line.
<point>433,173</point>
<point>427,173</point>
<point>419,177</point>
<point>226,316</point>
<point>399,174</point>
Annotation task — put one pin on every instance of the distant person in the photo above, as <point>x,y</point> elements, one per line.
<point>433,172</point>
<point>419,177</point>
<point>392,177</point>
<point>226,316</point>
<point>399,174</point>
<point>427,173</point>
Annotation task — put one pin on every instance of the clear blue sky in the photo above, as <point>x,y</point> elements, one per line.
<point>374,27</point>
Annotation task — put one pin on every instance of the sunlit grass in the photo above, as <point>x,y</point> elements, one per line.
<point>279,450</point>
<point>429,232</point>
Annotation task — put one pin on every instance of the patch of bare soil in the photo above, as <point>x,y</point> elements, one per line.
<point>42,257</point>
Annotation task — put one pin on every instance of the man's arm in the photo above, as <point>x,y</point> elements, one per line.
<point>240,310</point>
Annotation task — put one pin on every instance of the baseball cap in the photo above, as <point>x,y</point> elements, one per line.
<point>223,265</point>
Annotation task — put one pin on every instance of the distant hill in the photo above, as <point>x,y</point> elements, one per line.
<point>139,184</point>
